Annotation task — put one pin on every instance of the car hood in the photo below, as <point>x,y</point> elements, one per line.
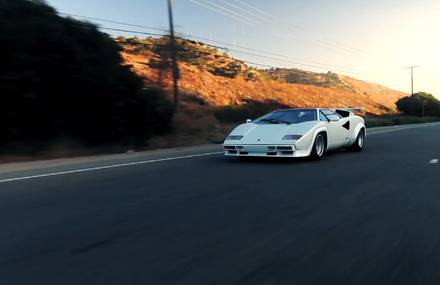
<point>270,133</point>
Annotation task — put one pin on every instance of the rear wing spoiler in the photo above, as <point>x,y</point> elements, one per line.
<point>351,109</point>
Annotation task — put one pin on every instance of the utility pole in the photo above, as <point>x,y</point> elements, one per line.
<point>173,53</point>
<point>412,77</point>
<point>412,85</point>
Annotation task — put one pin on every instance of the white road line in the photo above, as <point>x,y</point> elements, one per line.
<point>433,161</point>
<point>389,131</point>
<point>397,128</point>
<point>109,166</point>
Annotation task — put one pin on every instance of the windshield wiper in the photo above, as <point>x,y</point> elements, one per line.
<point>275,121</point>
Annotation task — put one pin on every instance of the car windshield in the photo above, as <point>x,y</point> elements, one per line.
<point>288,117</point>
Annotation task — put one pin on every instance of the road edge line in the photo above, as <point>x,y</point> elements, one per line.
<point>108,167</point>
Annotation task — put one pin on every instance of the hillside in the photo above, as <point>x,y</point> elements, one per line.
<point>217,79</point>
<point>222,90</point>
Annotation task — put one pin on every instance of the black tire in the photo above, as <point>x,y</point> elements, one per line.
<point>319,147</point>
<point>359,143</point>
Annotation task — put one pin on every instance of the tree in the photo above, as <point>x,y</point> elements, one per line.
<point>419,104</point>
<point>63,78</point>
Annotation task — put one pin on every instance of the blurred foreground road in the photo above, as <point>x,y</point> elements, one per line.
<point>354,218</point>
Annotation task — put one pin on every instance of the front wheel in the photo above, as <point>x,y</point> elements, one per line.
<point>318,149</point>
<point>359,143</point>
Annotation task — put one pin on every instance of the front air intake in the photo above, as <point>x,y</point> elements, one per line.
<point>229,147</point>
<point>284,148</point>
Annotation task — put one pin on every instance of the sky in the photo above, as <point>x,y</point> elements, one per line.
<point>370,40</point>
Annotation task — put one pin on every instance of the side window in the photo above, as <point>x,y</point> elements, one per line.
<point>322,117</point>
<point>331,115</point>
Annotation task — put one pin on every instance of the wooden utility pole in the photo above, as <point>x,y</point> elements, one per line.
<point>173,54</point>
<point>412,77</point>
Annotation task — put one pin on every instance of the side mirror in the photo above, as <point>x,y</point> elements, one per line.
<point>334,120</point>
<point>248,121</point>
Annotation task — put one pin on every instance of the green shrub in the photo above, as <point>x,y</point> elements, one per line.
<point>419,104</point>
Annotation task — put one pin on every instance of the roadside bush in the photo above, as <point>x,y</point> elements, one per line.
<point>63,78</point>
<point>419,104</point>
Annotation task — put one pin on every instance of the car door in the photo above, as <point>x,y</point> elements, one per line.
<point>338,129</point>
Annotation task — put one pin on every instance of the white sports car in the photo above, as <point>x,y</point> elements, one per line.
<point>298,133</point>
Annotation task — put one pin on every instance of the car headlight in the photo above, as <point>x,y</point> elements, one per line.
<point>234,138</point>
<point>292,137</point>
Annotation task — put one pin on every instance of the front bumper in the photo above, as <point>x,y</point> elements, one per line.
<point>263,151</point>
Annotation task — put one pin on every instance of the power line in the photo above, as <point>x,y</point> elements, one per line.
<point>238,14</point>
<point>157,29</point>
<point>175,66</point>
<point>343,45</point>
<point>291,70</point>
<point>240,19</point>
<point>261,12</point>
<point>268,18</point>
<point>244,61</point>
<point>213,46</point>
<point>113,22</point>
<point>266,55</point>
<point>163,30</point>
<point>300,28</point>
<point>242,10</point>
<point>302,72</point>
<point>233,50</point>
<point>202,38</point>
<point>290,61</point>
<point>130,31</point>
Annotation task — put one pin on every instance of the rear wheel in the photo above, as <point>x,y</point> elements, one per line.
<point>360,142</point>
<point>318,149</point>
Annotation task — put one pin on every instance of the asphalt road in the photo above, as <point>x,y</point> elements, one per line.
<point>354,218</point>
